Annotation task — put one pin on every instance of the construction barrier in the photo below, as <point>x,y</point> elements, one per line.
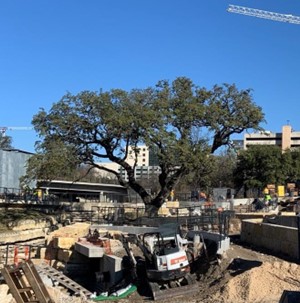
<point>17,254</point>
<point>16,259</point>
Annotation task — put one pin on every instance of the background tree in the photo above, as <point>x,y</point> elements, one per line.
<point>5,142</point>
<point>202,178</point>
<point>60,161</point>
<point>222,175</point>
<point>291,166</point>
<point>258,166</point>
<point>97,127</point>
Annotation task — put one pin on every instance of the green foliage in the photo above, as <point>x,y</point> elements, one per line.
<point>223,174</point>
<point>291,165</point>
<point>261,165</point>
<point>5,142</point>
<point>203,177</point>
<point>230,111</point>
<point>60,161</point>
<point>182,122</point>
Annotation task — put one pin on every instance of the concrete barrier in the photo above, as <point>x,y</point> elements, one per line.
<point>278,238</point>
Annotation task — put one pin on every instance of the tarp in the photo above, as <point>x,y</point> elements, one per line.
<point>131,290</point>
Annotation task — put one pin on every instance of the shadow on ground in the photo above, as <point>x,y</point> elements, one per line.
<point>239,266</point>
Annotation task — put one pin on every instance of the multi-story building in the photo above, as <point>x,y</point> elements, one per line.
<point>146,165</point>
<point>287,139</point>
<point>142,157</point>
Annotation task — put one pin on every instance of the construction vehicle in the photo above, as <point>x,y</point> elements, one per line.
<point>166,266</point>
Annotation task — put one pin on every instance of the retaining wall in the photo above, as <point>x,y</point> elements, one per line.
<point>278,238</point>
<point>21,236</point>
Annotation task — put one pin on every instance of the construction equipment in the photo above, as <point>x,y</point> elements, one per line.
<point>166,264</point>
<point>4,129</point>
<point>263,14</point>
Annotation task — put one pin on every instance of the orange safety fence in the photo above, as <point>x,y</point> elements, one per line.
<point>16,254</point>
<point>16,258</point>
<point>26,250</point>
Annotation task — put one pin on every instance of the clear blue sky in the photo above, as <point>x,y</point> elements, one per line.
<point>50,47</point>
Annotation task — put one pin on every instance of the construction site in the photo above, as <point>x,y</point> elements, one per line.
<point>76,242</point>
<point>224,251</point>
<point>128,233</point>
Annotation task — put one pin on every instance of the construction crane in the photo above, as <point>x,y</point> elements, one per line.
<point>4,129</point>
<point>263,14</point>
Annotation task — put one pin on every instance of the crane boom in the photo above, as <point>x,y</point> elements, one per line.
<point>3,129</point>
<point>263,14</point>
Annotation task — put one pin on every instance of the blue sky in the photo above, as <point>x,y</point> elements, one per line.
<point>51,47</point>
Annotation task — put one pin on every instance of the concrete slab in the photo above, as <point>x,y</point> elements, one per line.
<point>89,250</point>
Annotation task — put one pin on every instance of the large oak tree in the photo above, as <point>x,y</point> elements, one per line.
<point>183,123</point>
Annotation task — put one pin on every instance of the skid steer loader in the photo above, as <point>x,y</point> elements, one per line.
<point>166,264</point>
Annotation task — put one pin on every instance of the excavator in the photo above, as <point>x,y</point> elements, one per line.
<point>166,261</point>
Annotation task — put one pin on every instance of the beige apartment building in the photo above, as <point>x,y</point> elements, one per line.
<point>287,139</point>
<point>145,166</point>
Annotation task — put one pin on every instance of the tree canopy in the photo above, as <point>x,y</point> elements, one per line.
<point>261,165</point>
<point>183,123</point>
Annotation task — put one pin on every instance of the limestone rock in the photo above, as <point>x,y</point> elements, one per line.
<point>5,296</point>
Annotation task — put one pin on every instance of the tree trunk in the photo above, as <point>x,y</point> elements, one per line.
<point>153,205</point>
<point>151,210</point>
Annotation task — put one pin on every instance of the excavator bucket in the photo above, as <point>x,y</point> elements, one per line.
<point>161,292</point>
<point>166,293</point>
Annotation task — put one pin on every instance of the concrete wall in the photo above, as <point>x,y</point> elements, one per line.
<point>113,265</point>
<point>278,238</point>
<point>288,221</point>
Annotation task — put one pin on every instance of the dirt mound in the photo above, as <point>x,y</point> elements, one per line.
<point>262,283</point>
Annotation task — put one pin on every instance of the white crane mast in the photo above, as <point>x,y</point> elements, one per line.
<point>263,14</point>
